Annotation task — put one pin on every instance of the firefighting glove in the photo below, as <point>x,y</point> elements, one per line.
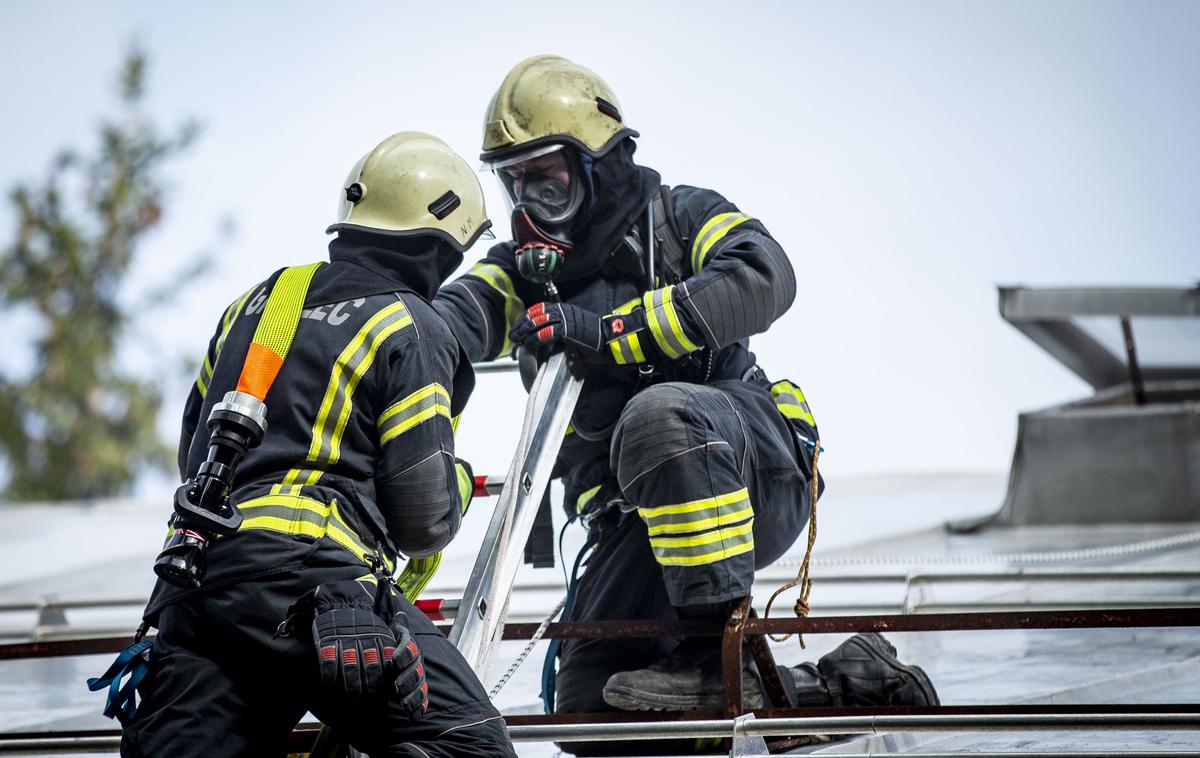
<point>619,337</point>
<point>465,479</point>
<point>547,324</point>
<point>409,667</point>
<point>361,655</point>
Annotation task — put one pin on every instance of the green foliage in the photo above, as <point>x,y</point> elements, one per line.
<point>79,426</point>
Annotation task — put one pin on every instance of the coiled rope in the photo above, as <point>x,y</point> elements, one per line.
<point>802,577</point>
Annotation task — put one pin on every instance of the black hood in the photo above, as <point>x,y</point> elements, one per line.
<point>419,263</point>
<point>622,190</point>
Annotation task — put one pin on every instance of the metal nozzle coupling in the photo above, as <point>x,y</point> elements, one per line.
<point>240,404</point>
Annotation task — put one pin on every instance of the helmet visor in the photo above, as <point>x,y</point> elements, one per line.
<point>546,182</point>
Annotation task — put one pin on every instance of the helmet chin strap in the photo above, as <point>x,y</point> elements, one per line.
<point>539,255</point>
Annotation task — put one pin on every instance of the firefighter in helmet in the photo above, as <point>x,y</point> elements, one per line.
<point>690,465</point>
<point>296,610</point>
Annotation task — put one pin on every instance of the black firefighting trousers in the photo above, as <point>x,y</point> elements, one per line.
<point>222,684</point>
<point>721,484</point>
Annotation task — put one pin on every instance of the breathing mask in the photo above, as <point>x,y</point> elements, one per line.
<point>546,189</point>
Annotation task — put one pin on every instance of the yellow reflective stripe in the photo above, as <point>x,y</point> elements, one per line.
<point>673,319</point>
<point>627,308</point>
<point>585,497</point>
<point>706,558</point>
<point>693,506</point>
<point>283,525</point>
<point>426,403</point>
<point>660,310</point>
<point>295,515</point>
<point>231,314</point>
<point>496,278</point>
<point>295,479</point>
<point>702,524</point>
<point>466,485</point>
<point>411,421</point>
<point>636,345</point>
<point>707,538</point>
<point>627,349</point>
<point>277,327</point>
<point>417,574</point>
<point>698,515</point>
<point>409,400</point>
<point>713,231</point>
<point>202,380</point>
<point>287,501</point>
<point>696,549</point>
<point>350,367</point>
<point>790,401</point>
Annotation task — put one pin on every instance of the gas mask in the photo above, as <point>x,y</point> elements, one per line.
<point>546,190</point>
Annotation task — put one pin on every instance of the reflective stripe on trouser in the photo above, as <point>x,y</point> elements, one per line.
<point>298,515</point>
<point>680,454</point>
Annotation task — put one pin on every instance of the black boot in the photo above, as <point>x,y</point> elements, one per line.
<point>862,671</point>
<point>687,679</point>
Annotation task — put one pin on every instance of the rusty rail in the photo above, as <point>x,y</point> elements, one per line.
<point>921,622</point>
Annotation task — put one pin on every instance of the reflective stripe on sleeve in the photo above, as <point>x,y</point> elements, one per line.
<point>698,515</point>
<point>708,547</point>
<point>711,233</point>
<point>496,278</point>
<point>664,323</point>
<point>420,406</point>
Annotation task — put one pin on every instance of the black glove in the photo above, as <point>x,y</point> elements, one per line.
<point>360,654</point>
<point>547,324</point>
<point>409,668</point>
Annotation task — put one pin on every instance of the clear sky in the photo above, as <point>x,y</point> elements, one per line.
<point>908,156</point>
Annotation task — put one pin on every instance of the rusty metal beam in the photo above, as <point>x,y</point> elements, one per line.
<point>768,670</point>
<point>920,622</point>
<point>731,659</point>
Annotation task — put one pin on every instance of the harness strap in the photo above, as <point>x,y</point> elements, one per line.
<point>275,331</point>
<point>134,662</point>
<point>671,256</point>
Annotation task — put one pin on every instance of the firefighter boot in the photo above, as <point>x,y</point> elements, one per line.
<point>862,671</point>
<point>687,679</point>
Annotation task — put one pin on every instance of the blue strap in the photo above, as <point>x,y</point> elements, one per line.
<point>549,668</point>
<point>133,661</point>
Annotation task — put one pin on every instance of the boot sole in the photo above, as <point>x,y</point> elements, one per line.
<point>884,650</point>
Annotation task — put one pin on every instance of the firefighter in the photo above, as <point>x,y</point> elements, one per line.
<point>356,469</point>
<point>691,465</point>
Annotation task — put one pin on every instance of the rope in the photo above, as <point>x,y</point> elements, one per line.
<point>801,607</point>
<point>534,640</point>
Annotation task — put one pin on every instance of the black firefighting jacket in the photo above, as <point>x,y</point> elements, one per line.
<point>721,278</point>
<point>359,433</point>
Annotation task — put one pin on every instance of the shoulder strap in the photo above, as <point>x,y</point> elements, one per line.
<point>275,331</point>
<point>671,256</point>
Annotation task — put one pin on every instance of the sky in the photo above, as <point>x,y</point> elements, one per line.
<point>908,156</point>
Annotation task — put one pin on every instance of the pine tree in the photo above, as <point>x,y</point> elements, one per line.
<point>79,426</point>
